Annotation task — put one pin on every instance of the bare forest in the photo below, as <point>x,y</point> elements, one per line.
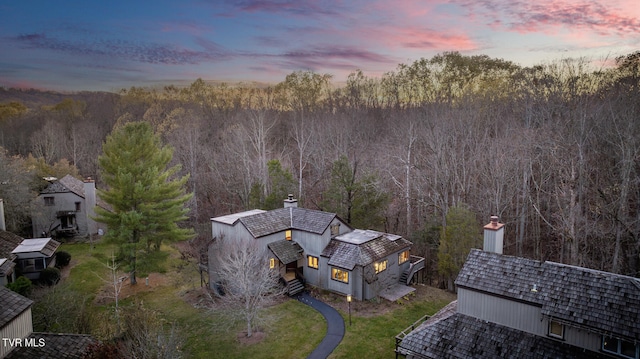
<point>553,150</point>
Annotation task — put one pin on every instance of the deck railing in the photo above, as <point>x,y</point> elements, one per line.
<point>408,330</point>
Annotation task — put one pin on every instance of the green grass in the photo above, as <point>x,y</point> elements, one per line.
<point>292,329</point>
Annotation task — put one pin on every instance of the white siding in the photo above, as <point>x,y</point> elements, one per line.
<point>20,327</point>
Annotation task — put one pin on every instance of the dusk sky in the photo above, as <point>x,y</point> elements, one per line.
<point>109,45</point>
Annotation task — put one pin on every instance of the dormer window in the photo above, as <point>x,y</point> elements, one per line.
<point>556,329</point>
<point>287,235</point>
<point>622,348</point>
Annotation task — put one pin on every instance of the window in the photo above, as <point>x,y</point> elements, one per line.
<point>272,263</point>
<point>340,275</point>
<point>556,329</point>
<point>380,266</point>
<point>287,235</point>
<point>49,201</point>
<point>312,262</point>
<point>403,257</point>
<point>620,347</point>
<point>77,206</point>
<point>335,229</point>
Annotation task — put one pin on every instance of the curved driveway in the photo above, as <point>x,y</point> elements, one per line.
<point>335,326</point>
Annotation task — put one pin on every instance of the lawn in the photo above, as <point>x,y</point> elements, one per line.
<point>291,329</point>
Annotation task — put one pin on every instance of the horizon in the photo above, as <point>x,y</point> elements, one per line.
<point>108,47</point>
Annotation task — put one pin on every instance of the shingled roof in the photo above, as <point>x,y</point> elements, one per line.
<point>286,251</point>
<point>57,346</point>
<point>597,301</point>
<point>13,304</point>
<point>347,255</point>
<point>8,242</point>
<point>71,184</point>
<point>462,336</point>
<point>281,219</point>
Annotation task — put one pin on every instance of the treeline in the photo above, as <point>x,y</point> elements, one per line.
<point>554,149</point>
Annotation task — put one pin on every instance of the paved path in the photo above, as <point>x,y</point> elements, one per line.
<point>335,326</point>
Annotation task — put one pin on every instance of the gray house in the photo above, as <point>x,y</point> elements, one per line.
<point>65,208</point>
<point>34,255</point>
<point>511,307</point>
<point>320,249</point>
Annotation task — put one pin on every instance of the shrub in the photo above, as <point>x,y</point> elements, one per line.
<point>50,276</point>
<point>22,285</point>
<point>62,259</point>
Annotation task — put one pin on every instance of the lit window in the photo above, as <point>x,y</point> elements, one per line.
<point>403,257</point>
<point>312,262</point>
<point>340,275</point>
<point>49,201</point>
<point>272,263</point>
<point>335,229</point>
<point>621,347</point>
<point>556,329</point>
<point>380,266</point>
<point>287,235</point>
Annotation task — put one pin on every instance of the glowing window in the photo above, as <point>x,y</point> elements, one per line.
<point>272,263</point>
<point>403,257</point>
<point>380,266</point>
<point>312,262</point>
<point>340,275</point>
<point>287,235</point>
<point>556,329</point>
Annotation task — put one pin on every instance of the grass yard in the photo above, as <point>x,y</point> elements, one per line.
<point>290,329</point>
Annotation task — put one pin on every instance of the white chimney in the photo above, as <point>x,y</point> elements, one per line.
<point>493,236</point>
<point>90,203</point>
<point>3,226</point>
<point>290,202</point>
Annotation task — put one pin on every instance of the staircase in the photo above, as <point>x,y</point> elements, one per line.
<point>294,287</point>
<point>417,263</point>
<point>404,276</point>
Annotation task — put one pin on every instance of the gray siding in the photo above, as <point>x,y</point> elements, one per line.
<point>521,316</point>
<point>580,338</point>
<point>45,218</point>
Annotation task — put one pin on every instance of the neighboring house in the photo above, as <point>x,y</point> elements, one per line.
<point>319,248</point>
<point>513,307</point>
<point>19,340</point>
<point>8,242</point>
<point>65,209</point>
<point>34,255</point>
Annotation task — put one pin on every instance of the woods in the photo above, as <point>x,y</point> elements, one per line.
<point>553,150</point>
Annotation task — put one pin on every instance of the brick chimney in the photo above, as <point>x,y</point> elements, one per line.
<point>290,202</point>
<point>3,226</point>
<point>90,203</point>
<point>493,236</point>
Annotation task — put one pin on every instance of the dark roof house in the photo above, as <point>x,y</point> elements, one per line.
<point>512,307</point>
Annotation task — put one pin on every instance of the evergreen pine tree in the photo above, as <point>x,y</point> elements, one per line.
<point>147,201</point>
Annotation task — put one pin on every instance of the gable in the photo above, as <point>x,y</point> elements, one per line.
<point>597,301</point>
<point>13,304</point>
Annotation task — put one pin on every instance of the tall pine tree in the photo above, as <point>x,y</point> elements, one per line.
<point>147,200</point>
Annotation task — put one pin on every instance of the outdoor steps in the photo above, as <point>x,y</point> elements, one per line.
<point>404,276</point>
<point>294,287</point>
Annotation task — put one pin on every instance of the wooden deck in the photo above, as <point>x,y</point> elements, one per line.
<point>396,292</point>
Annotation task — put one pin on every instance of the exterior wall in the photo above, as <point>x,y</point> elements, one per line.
<point>341,287</point>
<point>46,218</point>
<point>219,230</point>
<point>313,244</point>
<point>20,327</point>
<point>580,338</point>
<point>40,263</point>
<point>521,316</point>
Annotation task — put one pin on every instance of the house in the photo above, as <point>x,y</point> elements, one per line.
<point>8,242</point>
<point>19,340</point>
<point>65,208</point>
<point>320,249</point>
<point>34,255</point>
<point>522,308</point>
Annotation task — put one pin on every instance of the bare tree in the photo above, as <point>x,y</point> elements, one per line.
<point>248,282</point>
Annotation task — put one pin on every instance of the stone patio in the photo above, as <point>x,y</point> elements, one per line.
<point>396,292</point>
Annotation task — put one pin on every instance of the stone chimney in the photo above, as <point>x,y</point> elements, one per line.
<point>290,202</point>
<point>90,203</point>
<point>493,236</point>
<point>3,226</point>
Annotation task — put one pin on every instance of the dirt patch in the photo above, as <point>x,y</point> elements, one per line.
<point>65,271</point>
<point>106,293</point>
<point>255,338</point>
<point>372,308</point>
